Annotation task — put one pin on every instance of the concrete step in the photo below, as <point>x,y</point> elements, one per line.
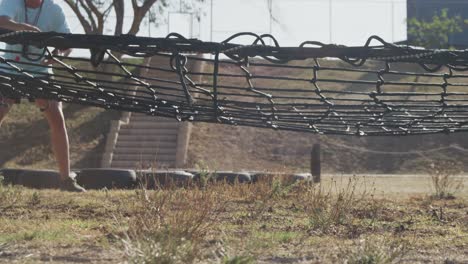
<point>149,132</point>
<point>150,125</point>
<point>139,165</point>
<point>145,151</point>
<point>147,138</point>
<point>146,144</point>
<point>143,157</point>
<point>152,118</point>
<point>143,164</point>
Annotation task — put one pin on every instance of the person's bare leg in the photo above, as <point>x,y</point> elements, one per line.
<point>58,134</point>
<point>60,145</point>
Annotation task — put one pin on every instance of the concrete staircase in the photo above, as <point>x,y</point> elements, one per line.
<point>142,142</point>
<point>139,141</point>
<point>147,141</point>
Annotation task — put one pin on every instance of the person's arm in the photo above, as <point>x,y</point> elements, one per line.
<point>7,23</point>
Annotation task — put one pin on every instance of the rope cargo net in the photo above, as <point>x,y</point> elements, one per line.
<point>375,89</point>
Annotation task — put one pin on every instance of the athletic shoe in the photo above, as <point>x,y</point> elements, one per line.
<point>70,185</point>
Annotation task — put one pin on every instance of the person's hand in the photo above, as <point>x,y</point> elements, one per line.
<point>28,27</point>
<point>56,52</point>
<point>7,23</point>
<point>50,61</point>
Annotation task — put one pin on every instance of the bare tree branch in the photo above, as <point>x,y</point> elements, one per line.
<point>99,15</point>
<point>135,5</point>
<point>84,23</point>
<point>93,8</point>
<point>147,5</point>
<point>139,14</point>
<point>89,13</point>
<point>119,8</point>
<point>107,11</point>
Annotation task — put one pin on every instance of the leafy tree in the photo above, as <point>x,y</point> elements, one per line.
<point>435,33</point>
<point>93,14</point>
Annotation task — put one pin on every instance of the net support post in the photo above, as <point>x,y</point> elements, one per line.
<point>111,140</point>
<point>315,163</point>
<point>183,139</point>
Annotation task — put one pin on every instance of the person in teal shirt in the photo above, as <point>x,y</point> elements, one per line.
<point>39,16</point>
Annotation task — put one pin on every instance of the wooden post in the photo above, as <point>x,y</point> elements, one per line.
<point>315,163</point>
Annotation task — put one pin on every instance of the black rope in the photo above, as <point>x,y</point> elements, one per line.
<point>376,89</point>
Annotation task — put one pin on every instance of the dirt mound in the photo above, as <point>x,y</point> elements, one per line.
<point>243,148</point>
<point>25,143</point>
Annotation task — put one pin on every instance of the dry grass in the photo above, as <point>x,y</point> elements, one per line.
<point>376,251</point>
<point>335,206</point>
<point>169,226</point>
<point>9,196</point>
<point>272,221</point>
<point>445,179</point>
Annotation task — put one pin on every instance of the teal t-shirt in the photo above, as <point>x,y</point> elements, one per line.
<point>51,18</point>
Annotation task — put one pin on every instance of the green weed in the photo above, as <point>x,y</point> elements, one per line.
<point>35,199</point>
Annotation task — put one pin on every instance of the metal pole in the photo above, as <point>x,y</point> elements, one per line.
<point>393,21</point>
<point>168,22</point>
<point>315,163</point>
<point>191,25</point>
<point>331,20</point>
<point>211,20</point>
<point>149,23</point>
<point>270,9</point>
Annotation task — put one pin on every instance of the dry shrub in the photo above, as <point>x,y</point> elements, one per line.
<point>239,260</point>
<point>259,197</point>
<point>169,226</point>
<point>267,187</point>
<point>444,178</point>
<point>206,177</point>
<point>9,195</point>
<point>335,206</point>
<point>281,186</point>
<point>376,251</point>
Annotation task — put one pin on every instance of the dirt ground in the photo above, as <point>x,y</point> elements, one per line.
<point>346,219</point>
